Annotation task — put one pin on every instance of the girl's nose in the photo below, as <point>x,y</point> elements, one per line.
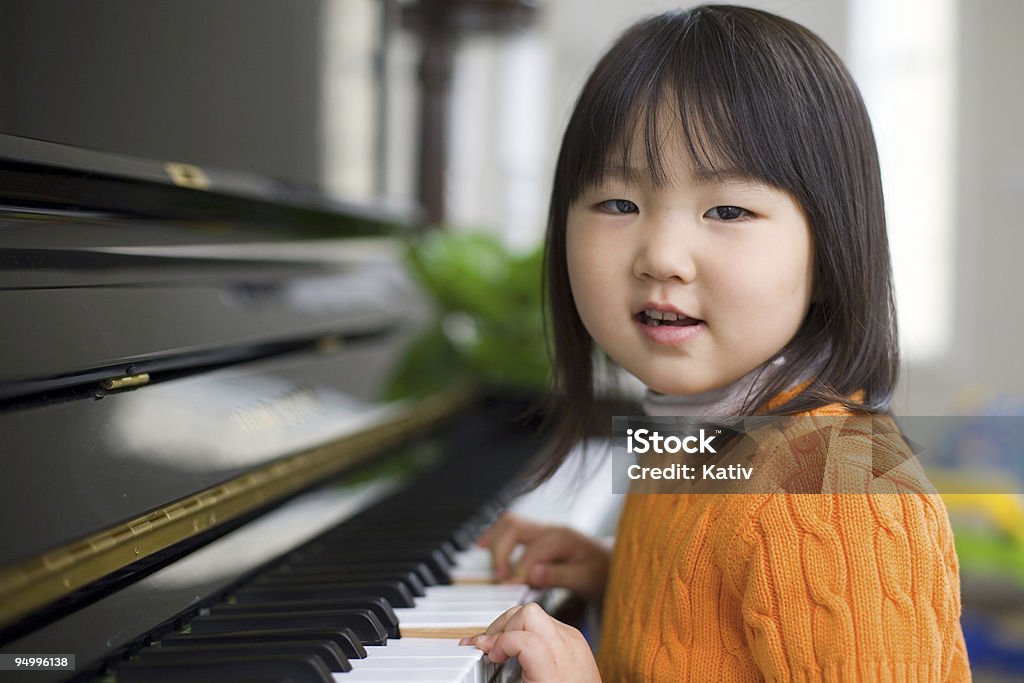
<point>665,251</point>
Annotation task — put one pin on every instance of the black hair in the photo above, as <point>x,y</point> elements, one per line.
<point>755,93</point>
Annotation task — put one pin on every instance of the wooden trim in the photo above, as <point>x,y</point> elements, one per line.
<point>444,632</point>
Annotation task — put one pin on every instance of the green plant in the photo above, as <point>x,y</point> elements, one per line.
<point>489,327</point>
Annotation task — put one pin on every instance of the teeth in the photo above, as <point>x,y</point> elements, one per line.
<point>663,315</point>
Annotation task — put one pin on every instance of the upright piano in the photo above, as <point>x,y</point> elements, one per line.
<point>200,480</point>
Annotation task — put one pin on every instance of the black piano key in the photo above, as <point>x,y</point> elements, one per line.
<point>302,669</point>
<point>411,546</point>
<point>421,570</point>
<point>395,550</point>
<point>363,622</point>
<point>452,531</point>
<point>389,529</point>
<point>395,593</point>
<point>344,638</point>
<point>429,576</point>
<point>400,524</point>
<point>435,559</point>
<point>330,653</point>
<point>378,606</point>
<point>408,578</point>
<point>462,538</point>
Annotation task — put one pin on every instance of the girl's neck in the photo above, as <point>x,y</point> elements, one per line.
<point>723,401</point>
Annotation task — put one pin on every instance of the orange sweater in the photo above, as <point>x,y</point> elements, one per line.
<point>783,587</point>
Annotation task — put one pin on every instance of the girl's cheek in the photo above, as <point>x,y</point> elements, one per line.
<point>590,278</point>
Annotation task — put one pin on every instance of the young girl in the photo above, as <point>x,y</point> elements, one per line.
<point>717,228</point>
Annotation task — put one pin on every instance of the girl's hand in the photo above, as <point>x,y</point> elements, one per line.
<point>553,556</point>
<point>548,650</point>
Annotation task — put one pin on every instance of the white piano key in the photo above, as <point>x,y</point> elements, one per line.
<point>471,596</point>
<point>416,664</point>
<point>424,647</point>
<point>473,564</point>
<point>499,591</point>
<point>433,647</point>
<point>425,644</point>
<point>441,649</point>
<point>467,608</point>
<point>473,558</point>
<point>405,676</point>
<point>420,660</point>
<point>447,619</point>
<point>457,606</point>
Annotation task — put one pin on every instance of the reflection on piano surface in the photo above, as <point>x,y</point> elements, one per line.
<point>201,482</point>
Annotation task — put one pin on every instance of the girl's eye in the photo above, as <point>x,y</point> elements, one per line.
<point>727,213</point>
<point>618,206</point>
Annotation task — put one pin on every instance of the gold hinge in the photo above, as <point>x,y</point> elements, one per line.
<point>331,344</point>
<point>129,382</point>
<point>187,175</point>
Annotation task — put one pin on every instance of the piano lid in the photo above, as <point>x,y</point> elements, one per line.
<point>114,267</point>
<point>37,173</point>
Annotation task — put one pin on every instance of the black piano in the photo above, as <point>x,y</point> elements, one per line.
<point>200,479</point>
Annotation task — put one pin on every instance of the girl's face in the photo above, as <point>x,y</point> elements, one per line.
<point>731,259</point>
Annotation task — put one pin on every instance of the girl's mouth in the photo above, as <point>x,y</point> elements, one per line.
<point>653,318</point>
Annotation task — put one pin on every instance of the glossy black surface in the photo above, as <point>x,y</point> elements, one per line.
<point>107,268</point>
<point>226,306</point>
<point>80,304</point>
<point>461,476</point>
<point>84,465</point>
<point>51,176</point>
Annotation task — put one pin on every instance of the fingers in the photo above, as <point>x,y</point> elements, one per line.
<point>508,532</point>
<point>499,624</point>
<point>582,578</point>
<point>563,558</point>
<point>550,547</point>
<point>548,650</point>
<point>552,556</point>
<point>543,545</point>
<point>535,655</point>
<point>528,617</point>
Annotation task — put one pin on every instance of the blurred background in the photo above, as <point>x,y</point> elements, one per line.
<point>457,106</point>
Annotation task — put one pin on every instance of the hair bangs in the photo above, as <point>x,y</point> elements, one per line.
<point>682,80</point>
<point>637,148</point>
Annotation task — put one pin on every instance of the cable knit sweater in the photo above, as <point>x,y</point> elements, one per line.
<point>784,587</point>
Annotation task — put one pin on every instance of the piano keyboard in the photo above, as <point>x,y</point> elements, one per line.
<point>426,651</point>
<point>383,596</point>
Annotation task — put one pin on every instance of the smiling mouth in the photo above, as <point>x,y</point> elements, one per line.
<point>658,318</point>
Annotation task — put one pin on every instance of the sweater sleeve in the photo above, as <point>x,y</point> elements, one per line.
<point>855,587</point>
